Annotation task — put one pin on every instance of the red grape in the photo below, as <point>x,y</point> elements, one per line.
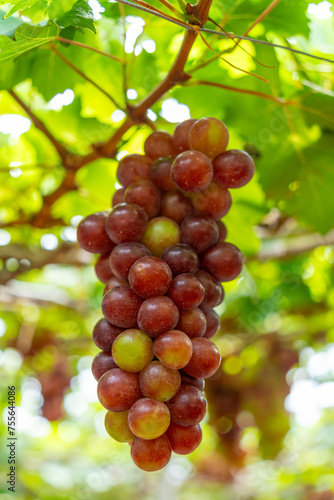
<point>160,173</point>
<point>192,171</point>
<point>124,256</point>
<point>120,306</point>
<point>102,362</point>
<point>159,382</point>
<point>175,206</point>
<point>126,222</point>
<point>132,168</point>
<point>205,359</point>
<point>118,197</point>
<point>181,258</point>
<point>222,230</point>
<point>209,136</point>
<point>102,268</point>
<point>146,195</point>
<point>104,334</point>
<point>150,276</point>
<point>112,283</point>
<point>181,135</point>
<point>199,232</point>
<point>214,292</point>
<point>223,261</point>
<point>160,233</point>
<point>214,201</point>
<point>188,406</point>
<point>118,390</point>
<point>192,323</point>
<point>173,349</point>
<point>132,350</point>
<point>212,324</point>
<point>151,454</point>
<point>148,419</point>
<point>186,291</point>
<point>186,379</point>
<point>92,236</point>
<point>159,144</point>
<point>157,315</point>
<point>184,440</point>
<point>116,424</point>
<point>233,169</point>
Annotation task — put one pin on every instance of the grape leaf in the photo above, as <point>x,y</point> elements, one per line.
<point>20,5</point>
<point>27,37</point>
<point>9,26</point>
<point>80,16</point>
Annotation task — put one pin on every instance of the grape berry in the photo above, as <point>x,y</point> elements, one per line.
<point>163,256</point>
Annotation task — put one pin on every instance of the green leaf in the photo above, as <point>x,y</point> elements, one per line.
<point>20,5</point>
<point>27,38</point>
<point>9,26</point>
<point>80,16</point>
<point>58,8</point>
<point>301,181</point>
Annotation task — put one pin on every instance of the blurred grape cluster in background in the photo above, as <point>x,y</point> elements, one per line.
<point>269,433</point>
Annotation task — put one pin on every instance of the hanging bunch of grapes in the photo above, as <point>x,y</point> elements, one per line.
<point>163,258</point>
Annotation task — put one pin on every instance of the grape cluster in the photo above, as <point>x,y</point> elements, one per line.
<point>163,258</point>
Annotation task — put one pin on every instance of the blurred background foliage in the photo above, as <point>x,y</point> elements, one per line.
<point>269,433</point>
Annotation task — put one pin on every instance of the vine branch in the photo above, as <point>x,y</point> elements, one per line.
<point>62,151</point>
<point>83,75</point>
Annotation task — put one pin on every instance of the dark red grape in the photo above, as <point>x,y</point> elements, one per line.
<point>160,173</point>
<point>209,135</point>
<point>188,406</point>
<point>159,382</point>
<point>214,292</point>
<point>118,390</point>
<point>205,359</point>
<point>148,419</point>
<point>181,135</point>
<point>181,258</point>
<point>159,144</point>
<point>157,315</point>
<point>104,334</point>
<point>150,276</point>
<point>223,261</point>
<point>214,201</point>
<point>118,197</point>
<point>186,379</point>
<point>151,454</point>
<point>175,206</point>
<point>92,236</point>
<point>116,424</point>
<point>124,256</point>
<point>186,291</point>
<point>233,169</point>
<point>132,168</point>
<point>120,306</point>
<point>212,324</point>
<point>126,223</point>
<point>173,349</point>
<point>192,323</point>
<point>200,232</point>
<point>192,171</point>
<point>146,195</point>
<point>222,231</point>
<point>102,268</point>
<point>112,283</point>
<point>161,232</point>
<point>184,440</point>
<point>102,362</point>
